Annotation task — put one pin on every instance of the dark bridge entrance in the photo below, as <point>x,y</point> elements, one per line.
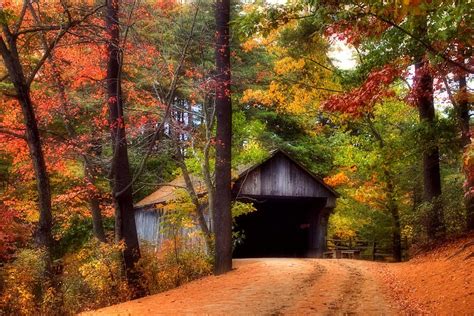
<point>293,207</point>
<point>281,227</point>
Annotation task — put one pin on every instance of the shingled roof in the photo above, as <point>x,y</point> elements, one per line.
<point>166,192</point>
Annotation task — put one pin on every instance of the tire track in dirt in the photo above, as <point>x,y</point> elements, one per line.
<point>255,287</point>
<point>347,287</point>
<point>304,290</point>
<point>320,294</point>
<point>286,281</point>
<point>279,286</point>
<point>351,290</point>
<point>361,293</point>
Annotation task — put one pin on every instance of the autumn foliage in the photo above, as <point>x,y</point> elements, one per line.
<point>362,99</point>
<point>368,130</point>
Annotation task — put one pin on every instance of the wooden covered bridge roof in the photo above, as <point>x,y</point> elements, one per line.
<point>278,175</point>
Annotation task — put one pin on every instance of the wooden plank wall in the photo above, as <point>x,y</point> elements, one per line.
<point>281,177</point>
<point>152,229</point>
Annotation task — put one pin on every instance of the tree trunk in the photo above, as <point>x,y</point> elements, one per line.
<point>431,167</point>
<point>43,235</point>
<point>392,206</point>
<point>469,202</point>
<point>464,108</point>
<point>120,169</point>
<point>94,204</point>
<point>208,120</point>
<point>396,228</point>
<point>90,175</point>
<point>200,207</point>
<point>423,92</point>
<point>222,209</point>
<point>97,225</point>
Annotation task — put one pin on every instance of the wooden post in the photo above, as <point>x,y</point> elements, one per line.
<point>405,245</point>
<point>323,226</point>
<point>374,249</point>
<point>318,232</point>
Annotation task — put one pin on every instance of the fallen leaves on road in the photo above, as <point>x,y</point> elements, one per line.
<point>438,281</point>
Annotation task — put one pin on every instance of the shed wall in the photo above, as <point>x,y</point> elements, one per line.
<point>153,229</point>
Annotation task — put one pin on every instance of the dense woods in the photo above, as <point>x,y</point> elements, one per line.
<point>103,102</point>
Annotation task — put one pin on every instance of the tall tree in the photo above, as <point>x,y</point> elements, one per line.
<point>464,108</point>
<point>11,58</point>
<point>97,224</point>
<point>222,207</point>
<point>423,92</point>
<point>18,29</point>
<point>385,33</point>
<point>391,203</point>
<point>125,227</point>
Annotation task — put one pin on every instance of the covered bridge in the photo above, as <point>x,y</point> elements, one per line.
<point>293,207</point>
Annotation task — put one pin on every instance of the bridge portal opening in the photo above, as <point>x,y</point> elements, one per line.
<point>281,227</point>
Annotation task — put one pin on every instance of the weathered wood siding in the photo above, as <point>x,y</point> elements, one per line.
<point>149,226</point>
<point>153,229</point>
<point>318,232</point>
<point>280,176</point>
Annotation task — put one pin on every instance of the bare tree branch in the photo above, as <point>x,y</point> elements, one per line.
<point>169,101</point>
<point>21,16</point>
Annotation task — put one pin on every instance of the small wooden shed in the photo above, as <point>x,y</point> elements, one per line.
<point>150,216</point>
<point>293,207</point>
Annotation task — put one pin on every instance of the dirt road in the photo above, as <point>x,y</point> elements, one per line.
<point>274,286</point>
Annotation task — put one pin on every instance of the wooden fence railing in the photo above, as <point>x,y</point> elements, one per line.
<point>364,249</point>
